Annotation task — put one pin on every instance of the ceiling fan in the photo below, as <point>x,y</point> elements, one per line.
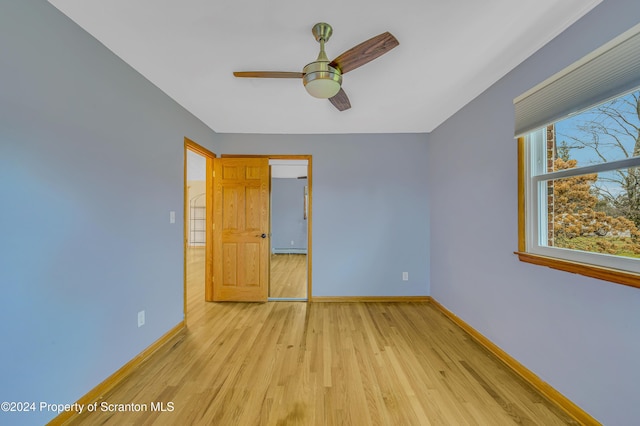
<point>323,78</point>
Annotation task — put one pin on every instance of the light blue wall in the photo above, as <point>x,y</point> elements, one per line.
<point>288,223</point>
<point>580,335</point>
<point>370,211</point>
<point>91,163</point>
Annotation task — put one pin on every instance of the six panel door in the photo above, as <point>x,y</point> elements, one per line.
<point>241,234</point>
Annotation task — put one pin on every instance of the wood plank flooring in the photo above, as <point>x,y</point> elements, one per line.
<point>288,275</point>
<point>293,363</point>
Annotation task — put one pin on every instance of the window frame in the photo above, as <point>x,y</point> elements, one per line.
<point>595,265</point>
<point>606,73</point>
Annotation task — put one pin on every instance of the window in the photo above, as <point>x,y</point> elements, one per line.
<point>579,173</point>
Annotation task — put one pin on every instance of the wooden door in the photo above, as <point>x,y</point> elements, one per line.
<point>241,229</point>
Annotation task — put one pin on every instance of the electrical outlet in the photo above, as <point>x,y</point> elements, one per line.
<point>172,217</point>
<point>405,276</point>
<point>292,243</point>
<point>140,319</point>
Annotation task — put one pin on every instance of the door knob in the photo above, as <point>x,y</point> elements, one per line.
<point>262,236</point>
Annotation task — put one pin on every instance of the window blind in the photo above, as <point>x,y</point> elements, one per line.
<point>605,73</point>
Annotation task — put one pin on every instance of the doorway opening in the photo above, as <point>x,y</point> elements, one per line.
<point>235,262</point>
<point>289,229</point>
<point>198,213</point>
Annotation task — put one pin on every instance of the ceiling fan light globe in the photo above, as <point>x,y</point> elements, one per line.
<point>323,88</point>
<point>321,80</point>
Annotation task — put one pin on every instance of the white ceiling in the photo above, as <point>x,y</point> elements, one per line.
<point>196,166</point>
<point>288,169</point>
<point>450,51</point>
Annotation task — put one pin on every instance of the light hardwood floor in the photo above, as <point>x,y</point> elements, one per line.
<point>288,275</point>
<point>293,363</point>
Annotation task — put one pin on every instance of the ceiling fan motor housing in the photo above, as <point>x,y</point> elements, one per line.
<point>321,79</point>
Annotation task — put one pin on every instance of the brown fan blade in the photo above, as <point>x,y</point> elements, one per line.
<point>341,101</point>
<point>268,74</point>
<point>365,52</point>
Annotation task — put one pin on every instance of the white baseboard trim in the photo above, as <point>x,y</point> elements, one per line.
<point>289,251</point>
